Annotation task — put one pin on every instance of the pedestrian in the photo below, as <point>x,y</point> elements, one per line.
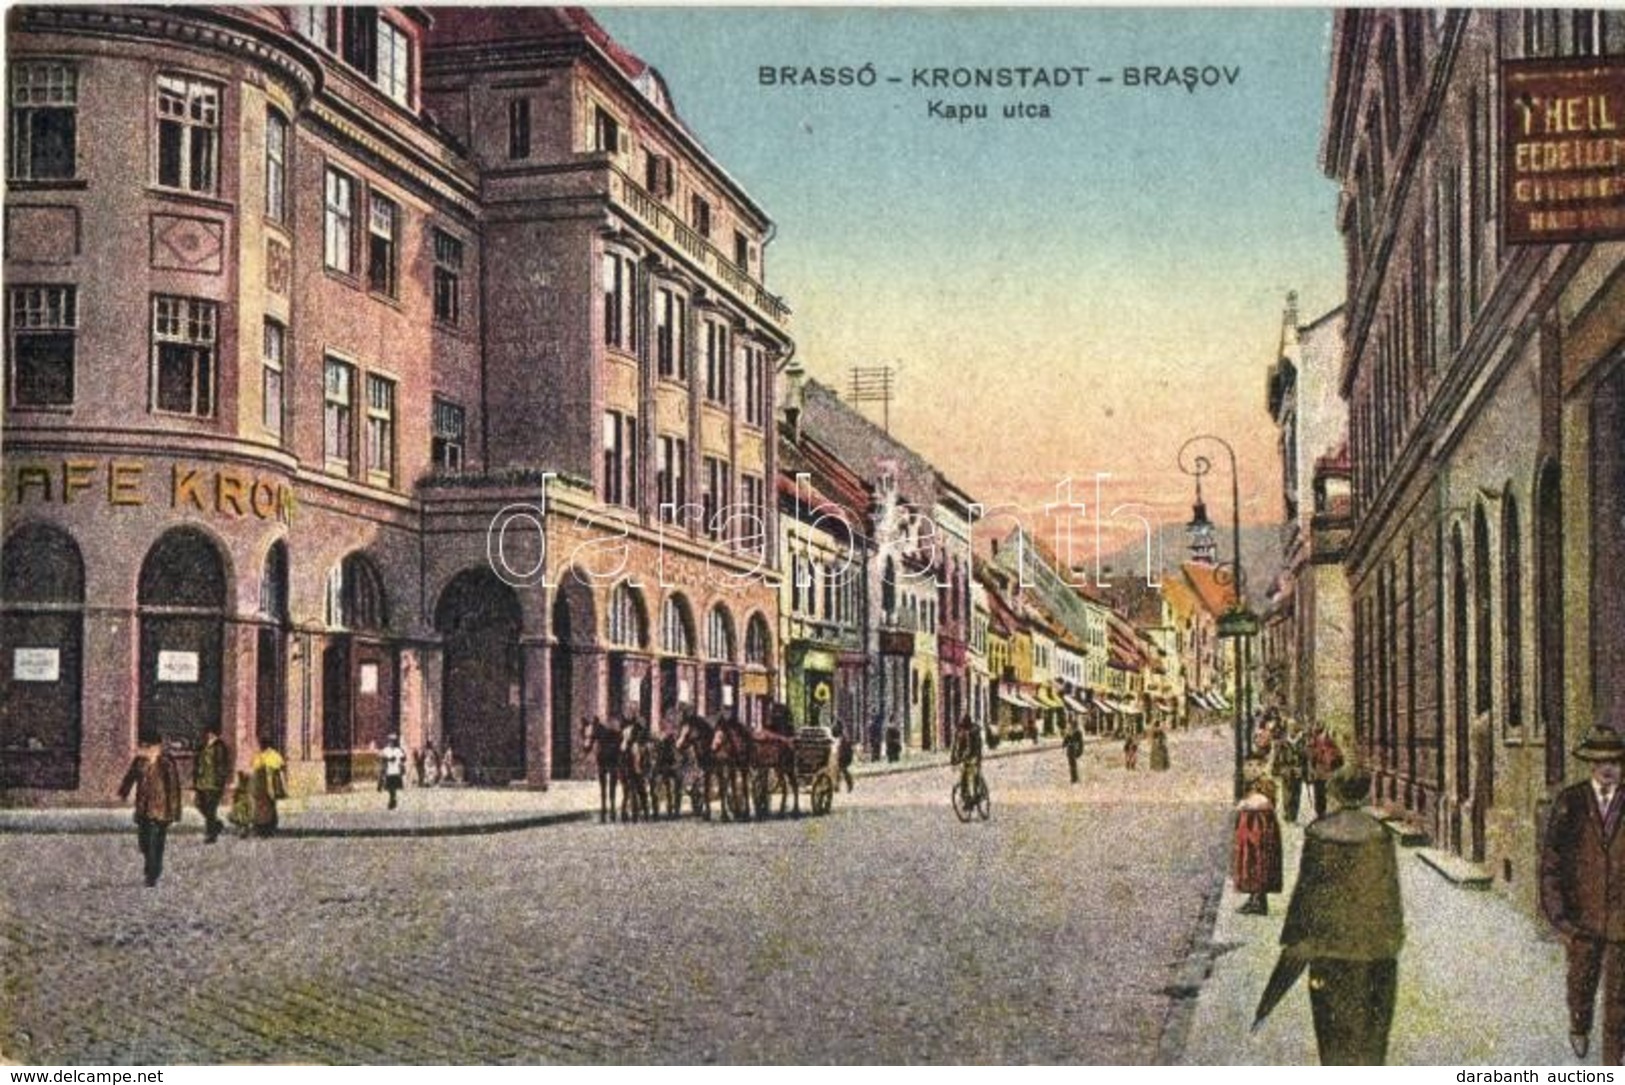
<point>1032,730</point>
<point>843,755</point>
<point>450,773</point>
<point>392,769</point>
<point>1286,765</point>
<point>1346,924</point>
<point>875,730</point>
<point>242,805</point>
<point>1324,760</point>
<point>1131,749</point>
<point>268,783</point>
<point>1159,749</point>
<point>157,784</point>
<point>419,770</point>
<point>211,771</point>
<point>894,743</point>
<point>1255,857</point>
<point>1582,866</point>
<point>1073,743</point>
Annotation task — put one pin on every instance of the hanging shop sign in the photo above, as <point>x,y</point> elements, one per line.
<point>1562,151</point>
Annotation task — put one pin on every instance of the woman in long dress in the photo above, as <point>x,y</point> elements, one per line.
<point>268,783</point>
<point>1256,857</point>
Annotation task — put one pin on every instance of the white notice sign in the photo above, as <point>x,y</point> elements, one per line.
<point>36,665</point>
<point>369,678</point>
<point>727,696</point>
<point>177,667</point>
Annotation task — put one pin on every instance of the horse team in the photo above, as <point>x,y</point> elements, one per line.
<point>726,763</point>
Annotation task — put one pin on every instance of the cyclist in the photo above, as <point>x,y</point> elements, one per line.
<point>966,752</point>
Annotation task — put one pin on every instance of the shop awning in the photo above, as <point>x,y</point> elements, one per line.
<point>1046,699</point>
<point>1126,708</point>
<point>1217,700</point>
<point>1011,698</point>
<point>1105,706</point>
<point>1074,705</point>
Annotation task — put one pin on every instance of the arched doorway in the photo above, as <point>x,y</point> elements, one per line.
<point>721,673</point>
<point>630,677</point>
<point>480,621</point>
<point>574,623</point>
<point>679,662</point>
<point>1460,715</point>
<point>181,600</point>
<point>271,644</point>
<point>42,585</point>
<point>358,671</point>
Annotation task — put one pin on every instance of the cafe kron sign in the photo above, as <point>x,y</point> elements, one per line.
<point>1563,150</point>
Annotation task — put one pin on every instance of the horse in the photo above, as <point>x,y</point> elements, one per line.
<point>635,761</point>
<point>665,780</point>
<point>732,751</point>
<point>773,757</point>
<point>696,737</point>
<point>605,743</point>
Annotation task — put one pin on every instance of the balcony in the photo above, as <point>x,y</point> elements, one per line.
<point>661,221</point>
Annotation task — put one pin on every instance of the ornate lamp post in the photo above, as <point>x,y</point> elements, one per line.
<point>1238,621</point>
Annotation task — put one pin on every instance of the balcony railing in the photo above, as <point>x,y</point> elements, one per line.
<point>664,223</point>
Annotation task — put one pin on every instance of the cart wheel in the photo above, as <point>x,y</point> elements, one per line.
<point>984,802</point>
<point>962,809</point>
<point>823,794</point>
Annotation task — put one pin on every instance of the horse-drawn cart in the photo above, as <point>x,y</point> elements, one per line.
<point>816,764</point>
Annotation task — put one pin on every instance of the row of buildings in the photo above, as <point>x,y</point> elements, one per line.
<point>405,370</point>
<point>1452,435</point>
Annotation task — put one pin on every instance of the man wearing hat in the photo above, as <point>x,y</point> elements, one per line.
<point>392,768</point>
<point>1582,867</point>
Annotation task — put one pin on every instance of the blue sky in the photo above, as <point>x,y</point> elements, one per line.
<point>1062,296</point>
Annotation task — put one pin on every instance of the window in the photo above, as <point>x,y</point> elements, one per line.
<point>272,355</point>
<point>606,131</point>
<point>339,222</point>
<point>620,458</point>
<point>394,75</point>
<point>44,121</point>
<point>701,216</point>
<point>716,497</point>
<point>183,345</point>
<point>276,166</point>
<point>380,430</point>
<point>742,251</point>
<point>338,419</point>
<point>755,385</point>
<point>446,445</point>
<point>1482,664</point>
<point>626,623</point>
<point>188,133</point>
<point>717,361</point>
<point>317,23</point>
<point>619,302</point>
<point>719,636</point>
<point>519,128</point>
<point>383,229</point>
<point>671,478</point>
<point>448,278</point>
<point>671,342</point>
<point>358,44</point>
<point>675,636</point>
<point>657,176</point>
<point>753,533</point>
<point>43,322</point>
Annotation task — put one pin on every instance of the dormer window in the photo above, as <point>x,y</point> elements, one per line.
<point>365,40</point>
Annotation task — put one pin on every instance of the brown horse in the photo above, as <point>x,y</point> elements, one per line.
<point>773,757</point>
<point>605,743</point>
<point>694,740</point>
<point>732,750</point>
<point>665,779</point>
<point>636,758</point>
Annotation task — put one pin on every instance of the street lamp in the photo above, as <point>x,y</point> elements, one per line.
<point>1238,621</point>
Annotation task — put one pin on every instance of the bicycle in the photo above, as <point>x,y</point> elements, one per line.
<point>978,802</point>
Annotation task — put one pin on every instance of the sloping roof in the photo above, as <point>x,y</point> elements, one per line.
<point>1216,596</point>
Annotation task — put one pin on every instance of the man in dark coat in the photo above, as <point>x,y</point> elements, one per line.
<point>1073,744</point>
<point>1346,923</point>
<point>1582,866</point>
<point>157,784</point>
<point>211,772</point>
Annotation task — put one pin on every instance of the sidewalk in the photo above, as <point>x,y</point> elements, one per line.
<point>1480,983</point>
<point>434,811</point>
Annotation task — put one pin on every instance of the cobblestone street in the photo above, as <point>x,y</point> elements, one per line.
<point>886,932</point>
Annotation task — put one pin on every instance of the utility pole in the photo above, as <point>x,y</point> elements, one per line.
<point>873,384</point>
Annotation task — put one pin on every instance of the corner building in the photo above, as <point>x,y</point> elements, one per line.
<point>1484,381</point>
<point>365,278</point>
